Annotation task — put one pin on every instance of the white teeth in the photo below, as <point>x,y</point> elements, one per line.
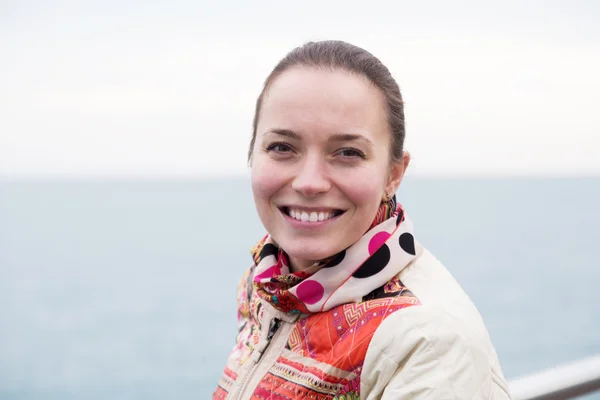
<point>313,216</point>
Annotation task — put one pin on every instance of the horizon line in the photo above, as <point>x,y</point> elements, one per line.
<point>141,177</point>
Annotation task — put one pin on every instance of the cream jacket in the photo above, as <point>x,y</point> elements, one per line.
<point>437,350</point>
<point>440,350</point>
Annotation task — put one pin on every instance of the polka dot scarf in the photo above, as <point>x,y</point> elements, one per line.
<point>379,255</point>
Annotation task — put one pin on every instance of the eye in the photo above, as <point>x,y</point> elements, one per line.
<point>351,152</point>
<point>279,147</point>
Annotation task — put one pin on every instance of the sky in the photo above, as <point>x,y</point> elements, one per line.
<point>167,89</point>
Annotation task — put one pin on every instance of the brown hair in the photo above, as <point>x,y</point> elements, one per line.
<point>336,54</point>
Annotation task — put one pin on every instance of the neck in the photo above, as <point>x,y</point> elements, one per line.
<point>297,265</point>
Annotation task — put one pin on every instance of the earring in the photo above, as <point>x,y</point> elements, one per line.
<point>387,197</point>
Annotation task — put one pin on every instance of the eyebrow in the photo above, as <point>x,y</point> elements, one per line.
<point>336,137</point>
<point>284,132</point>
<point>349,137</point>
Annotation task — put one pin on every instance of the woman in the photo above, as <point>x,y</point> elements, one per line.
<point>342,302</point>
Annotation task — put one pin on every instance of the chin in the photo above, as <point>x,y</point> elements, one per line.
<point>309,252</point>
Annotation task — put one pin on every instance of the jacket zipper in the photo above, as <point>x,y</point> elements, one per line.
<point>273,328</point>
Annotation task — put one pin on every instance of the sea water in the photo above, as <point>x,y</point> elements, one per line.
<point>126,290</point>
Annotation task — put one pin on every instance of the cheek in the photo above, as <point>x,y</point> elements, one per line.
<point>265,183</point>
<point>364,188</point>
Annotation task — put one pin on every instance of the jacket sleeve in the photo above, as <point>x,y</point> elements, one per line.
<point>421,353</point>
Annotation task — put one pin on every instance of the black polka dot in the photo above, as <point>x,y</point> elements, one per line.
<point>374,264</point>
<point>338,258</point>
<point>400,217</point>
<point>268,249</point>
<point>407,242</point>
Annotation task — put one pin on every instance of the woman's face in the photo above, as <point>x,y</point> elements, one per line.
<point>320,163</point>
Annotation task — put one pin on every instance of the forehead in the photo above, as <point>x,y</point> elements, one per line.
<point>323,101</point>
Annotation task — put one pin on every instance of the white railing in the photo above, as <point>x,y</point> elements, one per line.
<point>559,383</point>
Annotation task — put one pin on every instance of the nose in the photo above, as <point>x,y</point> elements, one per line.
<point>312,178</point>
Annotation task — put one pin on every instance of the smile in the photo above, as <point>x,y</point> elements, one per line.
<point>312,215</point>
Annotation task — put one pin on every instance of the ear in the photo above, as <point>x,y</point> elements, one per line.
<point>397,173</point>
